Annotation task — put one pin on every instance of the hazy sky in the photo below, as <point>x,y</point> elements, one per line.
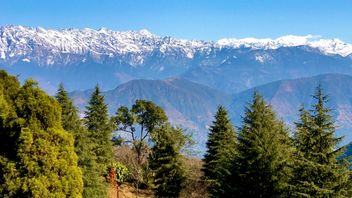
<point>189,19</point>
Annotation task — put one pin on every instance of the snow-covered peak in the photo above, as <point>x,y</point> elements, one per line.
<point>47,46</point>
<point>145,32</point>
<point>333,46</point>
<point>327,46</point>
<point>67,46</point>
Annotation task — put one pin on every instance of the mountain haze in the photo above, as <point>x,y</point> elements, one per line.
<point>287,96</point>
<point>187,104</point>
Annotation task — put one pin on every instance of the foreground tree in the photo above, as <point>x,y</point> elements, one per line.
<point>41,161</point>
<point>139,122</point>
<point>99,135</point>
<point>165,160</point>
<point>318,172</point>
<point>9,129</point>
<point>262,166</point>
<point>221,150</point>
<point>92,178</point>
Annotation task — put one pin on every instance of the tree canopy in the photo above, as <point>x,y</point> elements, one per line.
<point>40,162</point>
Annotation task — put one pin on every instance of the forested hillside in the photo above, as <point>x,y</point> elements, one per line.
<point>48,150</point>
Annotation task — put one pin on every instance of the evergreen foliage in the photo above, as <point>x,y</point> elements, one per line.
<point>264,154</point>
<point>100,128</point>
<point>46,150</point>
<point>318,172</point>
<point>38,159</point>
<point>99,135</point>
<point>69,114</point>
<point>9,129</point>
<point>92,178</point>
<point>221,150</point>
<point>165,161</point>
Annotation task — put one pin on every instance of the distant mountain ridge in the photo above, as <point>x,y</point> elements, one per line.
<point>50,46</point>
<point>199,74</point>
<point>192,106</point>
<point>187,104</point>
<point>83,57</point>
<point>287,96</point>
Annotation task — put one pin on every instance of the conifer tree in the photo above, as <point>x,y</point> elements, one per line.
<point>318,172</point>
<point>99,127</point>
<point>165,161</point>
<point>41,162</point>
<point>92,179</point>
<point>221,150</point>
<point>262,166</point>
<point>99,134</point>
<point>69,113</point>
<point>72,123</point>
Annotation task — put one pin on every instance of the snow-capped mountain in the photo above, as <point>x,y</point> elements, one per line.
<point>326,46</point>
<point>83,57</point>
<point>67,46</point>
<point>48,46</point>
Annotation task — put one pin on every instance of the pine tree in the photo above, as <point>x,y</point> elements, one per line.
<point>99,127</point>
<point>264,154</point>
<point>165,161</point>
<point>221,150</point>
<point>99,134</point>
<point>41,162</point>
<point>318,172</point>
<point>69,113</point>
<point>71,122</point>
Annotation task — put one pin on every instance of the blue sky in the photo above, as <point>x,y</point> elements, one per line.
<point>189,19</point>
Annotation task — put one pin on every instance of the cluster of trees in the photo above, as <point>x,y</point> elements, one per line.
<point>263,160</point>
<point>37,157</point>
<point>47,150</point>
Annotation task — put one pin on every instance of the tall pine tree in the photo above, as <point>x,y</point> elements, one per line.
<point>99,134</point>
<point>166,161</point>
<point>262,167</point>
<point>71,122</point>
<point>221,150</point>
<point>318,172</point>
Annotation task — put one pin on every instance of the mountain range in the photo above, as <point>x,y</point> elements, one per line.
<point>288,96</point>
<point>188,78</point>
<point>187,104</point>
<point>192,106</point>
<point>83,57</point>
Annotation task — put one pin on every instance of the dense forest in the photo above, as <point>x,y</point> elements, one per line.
<point>47,149</point>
